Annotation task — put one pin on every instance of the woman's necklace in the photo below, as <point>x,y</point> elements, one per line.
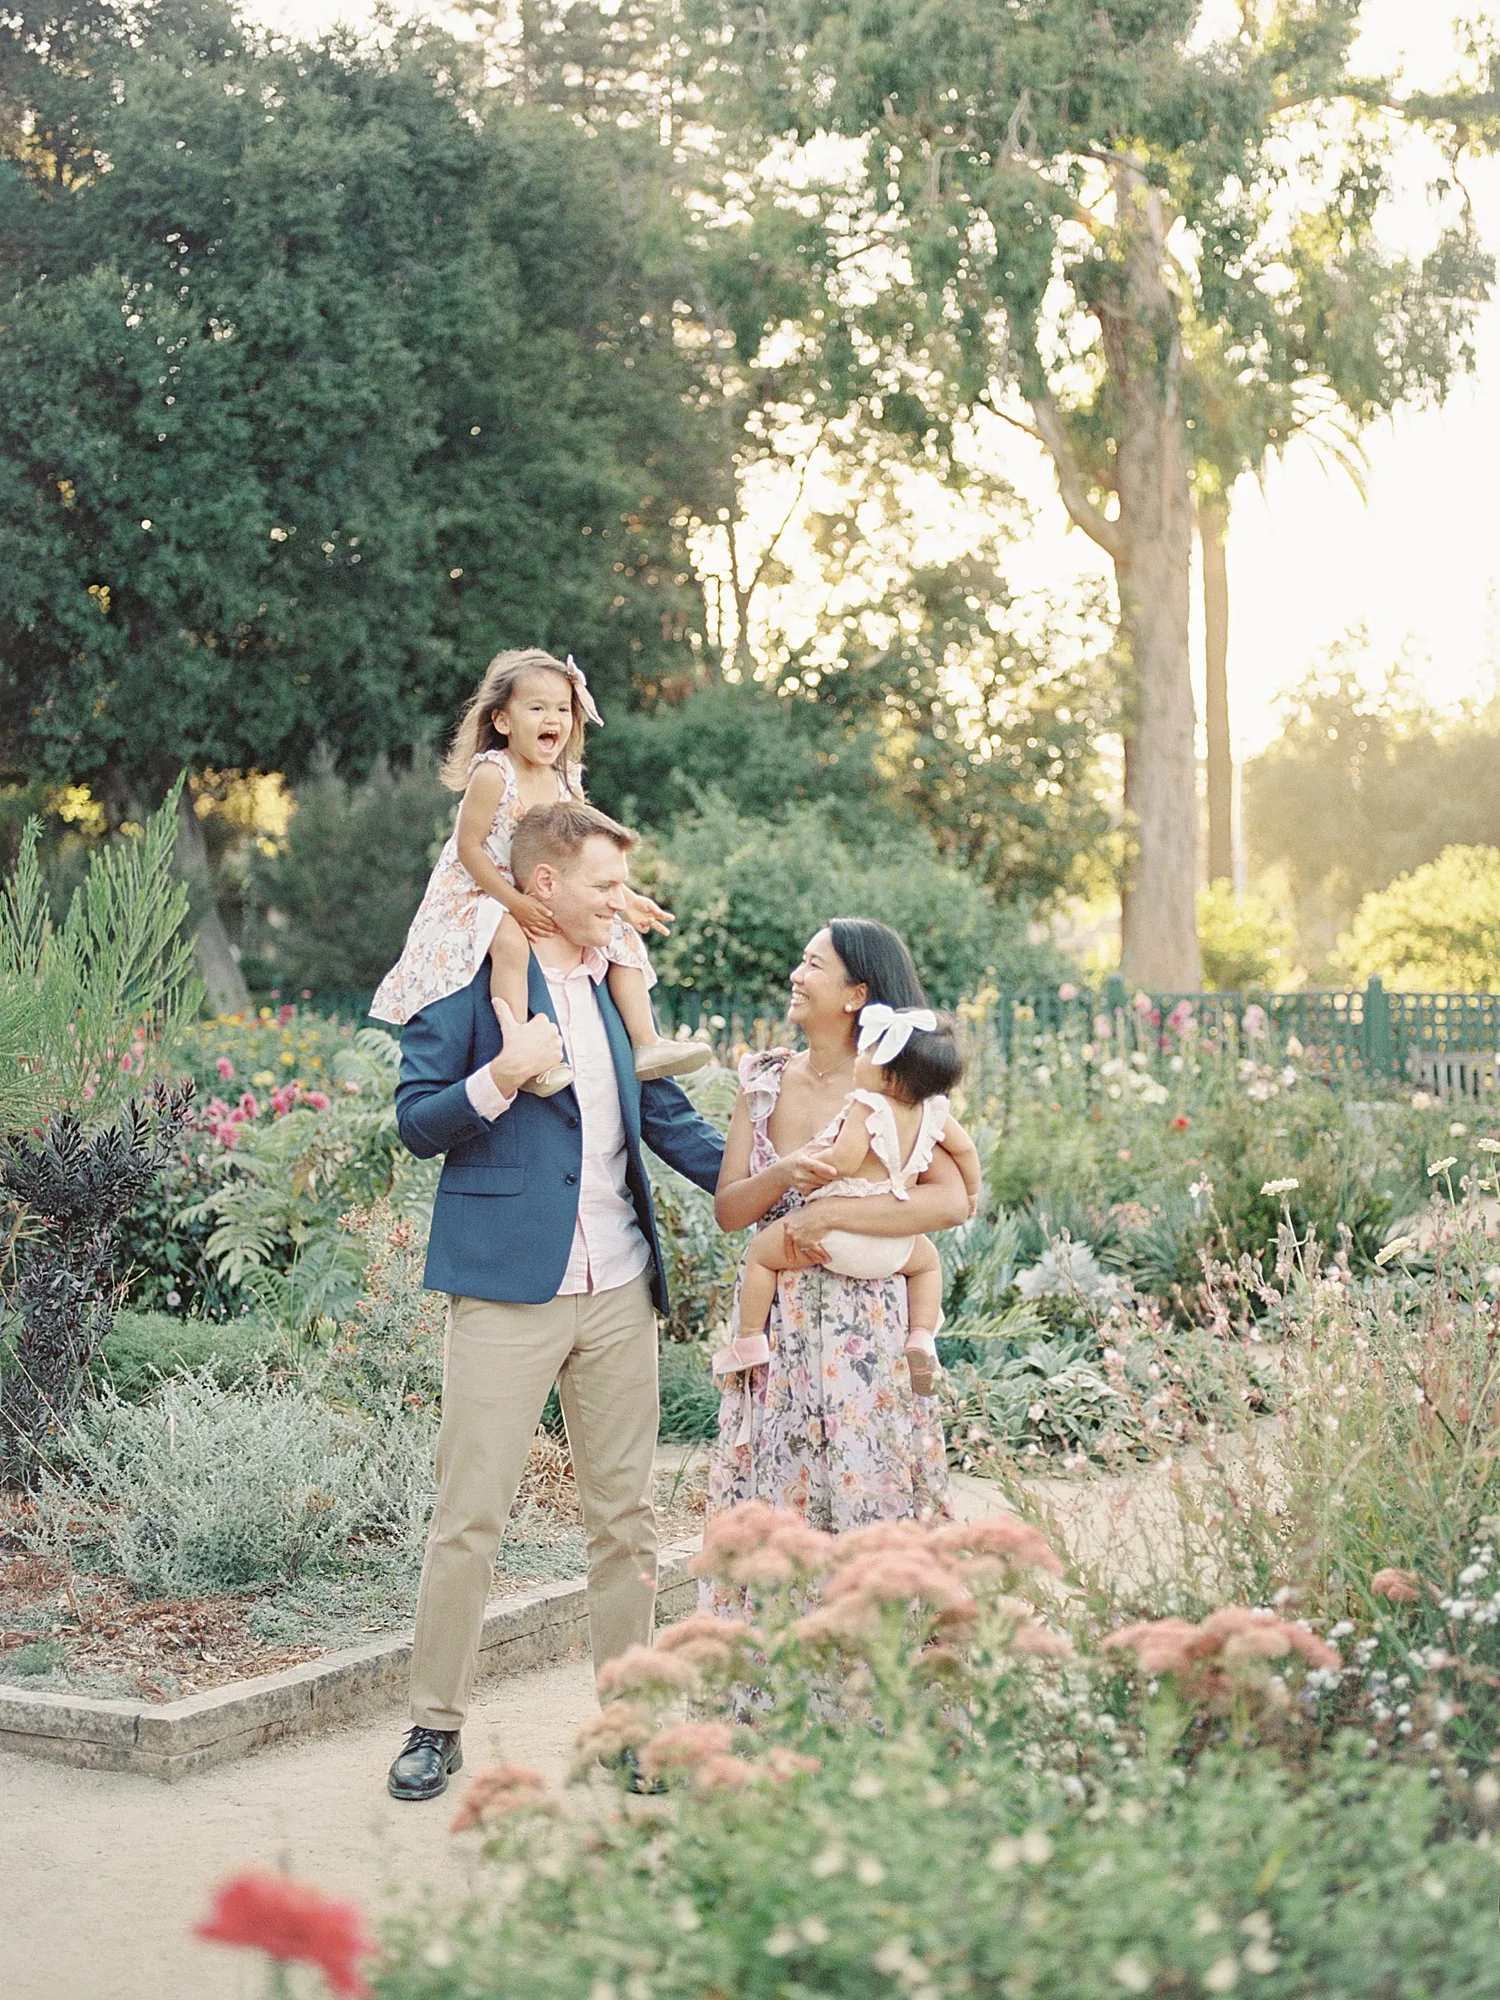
<point>823,1074</point>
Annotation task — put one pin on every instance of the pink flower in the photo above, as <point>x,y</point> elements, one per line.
<point>727,1774</point>
<point>228,1136</point>
<point>225,1068</point>
<point>682,1749</point>
<point>127,1064</point>
<point>284,1017</point>
<point>317,1100</point>
<point>1067,991</point>
<point>248,1106</point>
<point>497,1790</point>
<point>1001,1535</point>
<point>288,1921</point>
<point>642,1669</point>
<point>1255,1022</point>
<point>1399,1586</point>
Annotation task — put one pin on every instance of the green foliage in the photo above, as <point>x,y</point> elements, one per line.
<point>689,1395</point>
<point>304,410</point>
<point>284,1186</point>
<point>1245,943</point>
<point>87,1005</point>
<point>345,881</point>
<point>207,1488</point>
<point>748,895</point>
<point>145,1347</point>
<point>1361,787</point>
<point>1435,929</point>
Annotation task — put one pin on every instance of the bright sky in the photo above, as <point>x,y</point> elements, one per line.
<point>1416,563</point>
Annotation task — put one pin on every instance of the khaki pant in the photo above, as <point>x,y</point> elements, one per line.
<point>500,1362</point>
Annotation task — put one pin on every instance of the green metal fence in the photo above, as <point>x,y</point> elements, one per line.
<point>1450,1041</point>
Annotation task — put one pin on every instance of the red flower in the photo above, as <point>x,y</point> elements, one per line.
<point>1179,1123</point>
<point>289,1921</point>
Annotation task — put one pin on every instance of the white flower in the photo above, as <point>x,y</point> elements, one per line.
<point>685,1915</point>
<point>896,1957</point>
<point>782,1942</point>
<point>440,1953</point>
<point>1442,1166</point>
<point>1003,1856</point>
<point>1280,1187</point>
<point>829,1862</point>
<point>1457,1131</point>
<point>1042,1074</point>
<point>1259,1957</point>
<point>868,1871</point>
<point>602,1989</point>
<point>1488,1145</point>
<point>1393,1249</point>
<point>1131,1974</point>
<point>1035,1847</point>
<point>1206,1920</point>
<point>813,1930</point>
<point>1222,1974</point>
<point>1154,1093</point>
<point>866,1786</point>
<point>1064,1268</point>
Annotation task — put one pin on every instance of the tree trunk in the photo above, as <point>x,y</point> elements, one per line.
<point>1142,345</point>
<point>218,967</point>
<point>1213,531</point>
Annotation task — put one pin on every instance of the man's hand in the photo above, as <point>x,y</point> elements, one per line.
<point>804,1229</point>
<point>532,914</point>
<point>644,915</point>
<point>527,1048</point>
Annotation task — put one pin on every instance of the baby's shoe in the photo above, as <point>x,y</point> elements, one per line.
<point>670,1059</point>
<point>922,1360</point>
<point>550,1082</point>
<point>745,1350</point>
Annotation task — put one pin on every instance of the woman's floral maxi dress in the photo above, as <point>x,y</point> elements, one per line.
<point>829,1427</point>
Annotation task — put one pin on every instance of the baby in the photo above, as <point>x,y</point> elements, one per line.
<point>891,1124</point>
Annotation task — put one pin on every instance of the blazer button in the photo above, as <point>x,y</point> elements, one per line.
<point>571,1179</point>
<point>572,1123</point>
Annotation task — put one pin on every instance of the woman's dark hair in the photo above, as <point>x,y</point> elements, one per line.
<point>930,1065</point>
<point>874,957</point>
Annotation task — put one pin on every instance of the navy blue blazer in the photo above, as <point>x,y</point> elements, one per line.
<point>507,1198</point>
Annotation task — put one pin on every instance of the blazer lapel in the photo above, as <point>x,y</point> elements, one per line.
<point>624,1060</point>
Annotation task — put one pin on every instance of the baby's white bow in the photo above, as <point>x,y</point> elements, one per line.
<point>885,1031</point>
<point>585,699</point>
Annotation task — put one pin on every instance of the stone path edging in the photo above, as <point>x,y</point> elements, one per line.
<point>169,1740</point>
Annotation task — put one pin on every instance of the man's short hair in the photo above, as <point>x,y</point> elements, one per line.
<point>557,835</point>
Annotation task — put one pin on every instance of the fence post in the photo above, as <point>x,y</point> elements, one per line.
<point>1377,1024</point>
<point>1115,996</point>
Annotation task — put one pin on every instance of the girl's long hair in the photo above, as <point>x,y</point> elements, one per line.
<point>476,730</point>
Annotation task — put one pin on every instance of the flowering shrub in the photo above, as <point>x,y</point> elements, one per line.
<point>290,1922</point>
<point>898,1781</point>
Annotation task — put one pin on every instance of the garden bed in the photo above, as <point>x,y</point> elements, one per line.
<point>71,1632</point>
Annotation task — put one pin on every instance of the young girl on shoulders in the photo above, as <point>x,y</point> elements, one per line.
<point>891,1124</point>
<point>519,744</point>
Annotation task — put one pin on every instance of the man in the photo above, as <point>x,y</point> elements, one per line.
<point>544,1237</point>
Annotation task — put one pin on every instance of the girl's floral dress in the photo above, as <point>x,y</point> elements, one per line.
<point>456,922</point>
<point>829,1426</point>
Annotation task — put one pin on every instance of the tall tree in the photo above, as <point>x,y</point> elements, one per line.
<point>316,387</point>
<point>1062,202</point>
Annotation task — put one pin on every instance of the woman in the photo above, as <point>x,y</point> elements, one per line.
<point>830,1427</point>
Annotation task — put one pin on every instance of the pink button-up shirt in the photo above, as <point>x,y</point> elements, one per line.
<point>608,1247</point>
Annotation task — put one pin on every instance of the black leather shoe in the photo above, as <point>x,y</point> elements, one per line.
<point>629,1765</point>
<point>426,1761</point>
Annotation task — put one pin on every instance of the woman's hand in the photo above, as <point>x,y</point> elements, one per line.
<point>644,915</point>
<point>534,917</point>
<point>804,1230</point>
<point>809,1168</point>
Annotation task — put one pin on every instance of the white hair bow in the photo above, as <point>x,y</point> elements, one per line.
<point>585,699</point>
<point>885,1031</point>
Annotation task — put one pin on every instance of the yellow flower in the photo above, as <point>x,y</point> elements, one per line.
<point>288,1057</point>
<point>264,1077</point>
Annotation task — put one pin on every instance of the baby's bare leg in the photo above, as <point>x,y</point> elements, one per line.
<point>923,1272</point>
<point>628,985</point>
<point>765,1260</point>
<point>510,964</point>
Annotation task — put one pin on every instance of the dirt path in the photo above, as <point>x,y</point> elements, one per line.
<point>104,1874</point>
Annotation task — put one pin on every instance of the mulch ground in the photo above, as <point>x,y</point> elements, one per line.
<point>162,1650</point>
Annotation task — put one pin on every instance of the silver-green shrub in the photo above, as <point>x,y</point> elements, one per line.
<point>205,1488</point>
